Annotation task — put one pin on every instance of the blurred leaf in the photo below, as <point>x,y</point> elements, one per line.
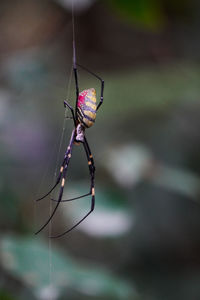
<point>10,211</point>
<point>50,272</point>
<point>181,181</point>
<point>25,69</point>
<point>133,161</point>
<point>146,13</point>
<point>4,295</point>
<point>136,164</point>
<point>111,216</point>
<point>150,89</point>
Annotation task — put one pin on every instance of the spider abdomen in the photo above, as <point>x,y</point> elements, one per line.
<point>86,107</point>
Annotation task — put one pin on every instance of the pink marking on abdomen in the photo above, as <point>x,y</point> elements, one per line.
<point>81,98</point>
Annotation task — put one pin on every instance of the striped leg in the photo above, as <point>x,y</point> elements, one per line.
<point>64,161</point>
<point>63,173</point>
<point>91,170</point>
<point>90,164</point>
<point>92,190</point>
<point>57,181</point>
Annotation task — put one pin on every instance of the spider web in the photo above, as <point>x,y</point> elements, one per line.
<point>69,82</point>
<point>51,281</point>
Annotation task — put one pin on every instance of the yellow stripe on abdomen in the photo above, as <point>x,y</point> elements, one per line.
<point>87,122</point>
<point>90,114</point>
<point>91,105</point>
<point>92,98</point>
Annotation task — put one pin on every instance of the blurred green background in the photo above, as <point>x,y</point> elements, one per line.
<point>142,242</point>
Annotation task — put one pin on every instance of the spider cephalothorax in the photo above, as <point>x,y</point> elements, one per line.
<point>80,133</point>
<point>84,116</point>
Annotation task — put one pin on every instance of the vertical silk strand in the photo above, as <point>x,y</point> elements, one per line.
<point>59,151</point>
<point>73,36</point>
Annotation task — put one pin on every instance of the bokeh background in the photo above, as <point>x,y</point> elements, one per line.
<point>142,242</point>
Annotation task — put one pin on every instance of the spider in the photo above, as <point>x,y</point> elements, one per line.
<point>83,116</point>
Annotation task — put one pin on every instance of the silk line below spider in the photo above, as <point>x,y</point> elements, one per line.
<point>84,116</point>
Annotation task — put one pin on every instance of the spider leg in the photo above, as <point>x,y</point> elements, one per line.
<point>72,111</point>
<point>102,84</point>
<point>91,169</point>
<point>64,161</point>
<point>91,209</point>
<point>57,181</point>
<point>64,172</point>
<point>75,77</point>
<point>71,199</point>
<point>92,190</point>
<point>90,162</point>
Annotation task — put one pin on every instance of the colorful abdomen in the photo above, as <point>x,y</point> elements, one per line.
<point>86,107</point>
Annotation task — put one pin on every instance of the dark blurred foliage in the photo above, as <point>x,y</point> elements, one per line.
<point>142,241</point>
